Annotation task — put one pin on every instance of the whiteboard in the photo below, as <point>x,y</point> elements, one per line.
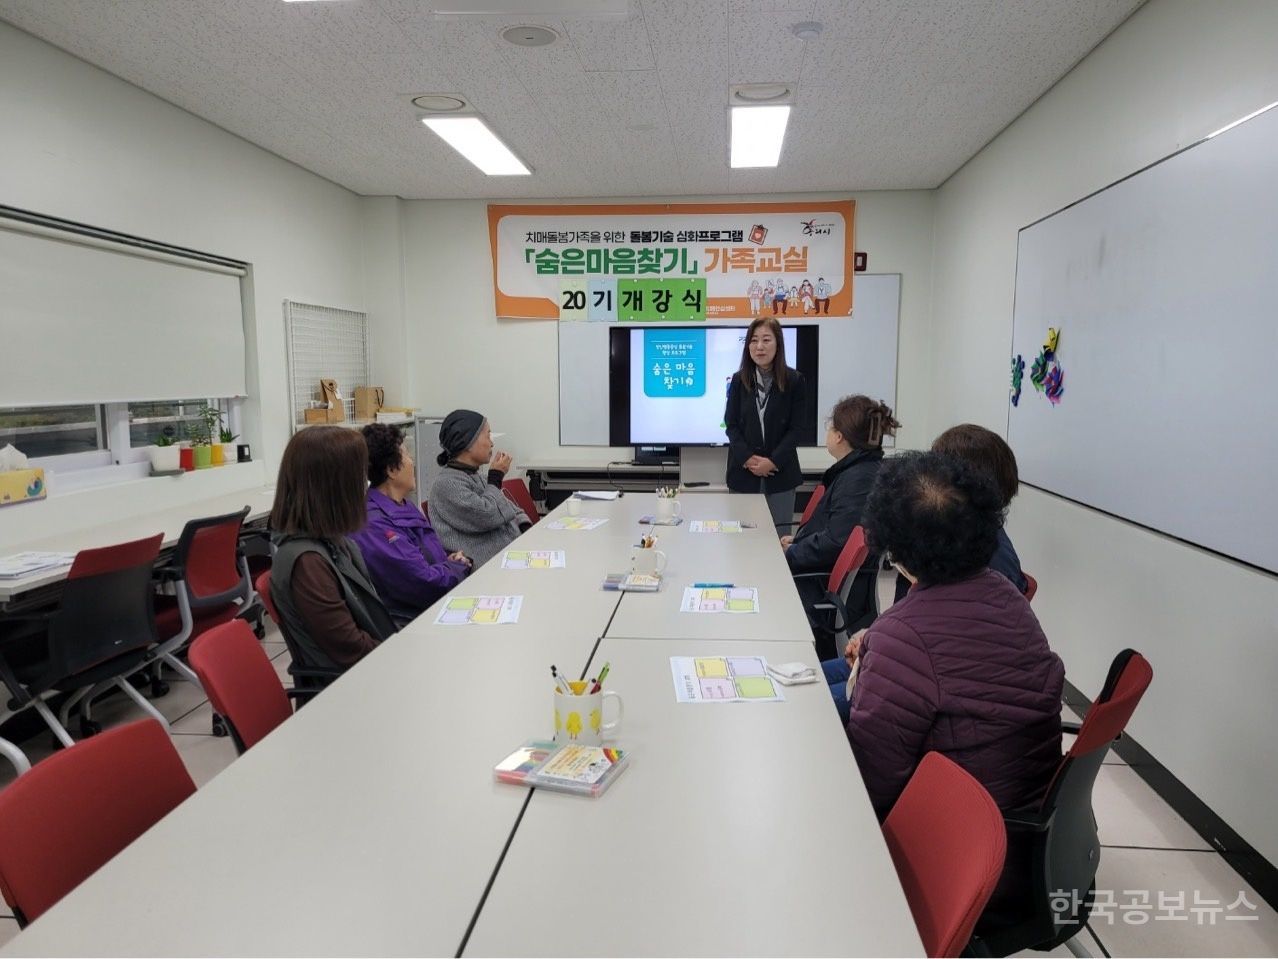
<point>856,354</point>
<point>1165,289</point>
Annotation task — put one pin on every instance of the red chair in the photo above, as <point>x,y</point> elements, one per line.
<point>813,500</point>
<point>838,586</point>
<point>1045,896</point>
<point>947,839</point>
<point>1031,586</point>
<point>516,491</point>
<point>211,586</point>
<point>99,634</point>
<point>77,809</point>
<point>240,681</point>
<point>308,679</point>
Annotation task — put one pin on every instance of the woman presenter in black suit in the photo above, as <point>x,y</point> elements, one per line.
<point>766,403</point>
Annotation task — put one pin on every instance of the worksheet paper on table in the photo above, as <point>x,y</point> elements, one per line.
<point>577,522</point>
<point>480,611</point>
<point>607,495</point>
<point>24,564</point>
<point>716,526</point>
<point>720,599</point>
<point>533,559</point>
<point>723,679</point>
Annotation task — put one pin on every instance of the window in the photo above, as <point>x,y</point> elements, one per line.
<point>53,430</point>
<point>172,418</point>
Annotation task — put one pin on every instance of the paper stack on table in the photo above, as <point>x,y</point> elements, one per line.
<point>25,564</point>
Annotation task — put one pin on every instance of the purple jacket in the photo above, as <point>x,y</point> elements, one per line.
<point>963,669</point>
<point>407,562</point>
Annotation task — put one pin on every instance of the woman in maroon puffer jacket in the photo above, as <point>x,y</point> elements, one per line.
<point>960,665</point>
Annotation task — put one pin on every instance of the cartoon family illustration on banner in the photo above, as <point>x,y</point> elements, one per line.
<point>779,294</point>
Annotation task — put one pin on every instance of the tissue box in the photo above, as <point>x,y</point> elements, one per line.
<point>22,486</point>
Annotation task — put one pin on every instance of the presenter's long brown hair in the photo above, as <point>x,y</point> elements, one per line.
<point>321,486</point>
<point>778,362</point>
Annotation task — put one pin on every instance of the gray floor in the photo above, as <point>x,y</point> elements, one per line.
<point>1167,883</point>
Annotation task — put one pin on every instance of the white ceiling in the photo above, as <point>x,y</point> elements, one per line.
<point>894,94</point>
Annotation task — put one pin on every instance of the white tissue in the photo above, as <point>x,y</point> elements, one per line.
<point>12,459</point>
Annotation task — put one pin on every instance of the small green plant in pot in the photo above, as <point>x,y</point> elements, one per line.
<point>228,445</point>
<point>201,434</point>
<point>164,453</point>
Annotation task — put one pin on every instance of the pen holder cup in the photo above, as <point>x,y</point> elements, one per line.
<point>574,506</point>
<point>647,562</point>
<point>668,509</point>
<point>579,719</point>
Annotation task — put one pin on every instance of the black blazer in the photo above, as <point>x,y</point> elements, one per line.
<point>783,421</point>
<point>819,541</point>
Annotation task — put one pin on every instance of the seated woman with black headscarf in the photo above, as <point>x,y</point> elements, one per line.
<point>470,512</point>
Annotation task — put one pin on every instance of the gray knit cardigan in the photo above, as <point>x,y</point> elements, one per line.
<point>472,515</point>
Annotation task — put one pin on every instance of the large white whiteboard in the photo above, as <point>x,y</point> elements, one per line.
<point>856,354</point>
<point>1165,289</point>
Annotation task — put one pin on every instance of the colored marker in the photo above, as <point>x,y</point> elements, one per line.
<point>712,585</point>
<point>603,674</point>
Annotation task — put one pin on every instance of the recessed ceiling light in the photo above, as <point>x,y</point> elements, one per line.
<point>807,30</point>
<point>529,35</point>
<point>471,137</point>
<point>439,102</point>
<point>757,134</point>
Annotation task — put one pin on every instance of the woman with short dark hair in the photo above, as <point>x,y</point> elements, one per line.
<point>764,420</point>
<point>319,582</point>
<point>987,451</point>
<point>409,565</point>
<point>960,665</point>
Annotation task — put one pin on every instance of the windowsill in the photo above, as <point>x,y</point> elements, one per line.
<point>67,482</point>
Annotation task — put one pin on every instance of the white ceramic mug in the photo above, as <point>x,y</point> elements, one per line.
<point>579,719</point>
<point>647,562</point>
<point>668,509</point>
<point>574,506</point>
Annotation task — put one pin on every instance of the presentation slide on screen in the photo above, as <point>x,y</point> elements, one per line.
<point>679,382</point>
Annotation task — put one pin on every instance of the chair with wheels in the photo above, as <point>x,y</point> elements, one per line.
<point>77,809</point>
<point>101,633</point>
<point>309,679</point>
<point>831,613</point>
<point>946,837</point>
<point>1046,892</point>
<point>241,682</point>
<point>516,491</point>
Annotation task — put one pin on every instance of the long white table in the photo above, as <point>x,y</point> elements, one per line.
<point>370,822</point>
<point>739,829</point>
<point>169,522</point>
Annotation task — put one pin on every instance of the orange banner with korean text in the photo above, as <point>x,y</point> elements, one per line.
<point>674,262</point>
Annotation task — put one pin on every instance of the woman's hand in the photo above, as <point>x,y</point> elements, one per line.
<point>460,557</point>
<point>767,466</point>
<point>853,648</point>
<point>786,541</point>
<point>501,462</point>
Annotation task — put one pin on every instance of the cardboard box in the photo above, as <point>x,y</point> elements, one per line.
<point>22,486</point>
<point>335,411</point>
<point>368,402</point>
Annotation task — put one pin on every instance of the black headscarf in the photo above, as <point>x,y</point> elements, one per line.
<point>458,431</point>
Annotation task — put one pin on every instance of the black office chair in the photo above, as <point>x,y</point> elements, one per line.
<point>1045,894</point>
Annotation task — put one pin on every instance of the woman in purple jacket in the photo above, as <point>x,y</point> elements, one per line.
<point>960,665</point>
<point>407,563</point>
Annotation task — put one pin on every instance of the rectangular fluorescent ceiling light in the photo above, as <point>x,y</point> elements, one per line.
<point>471,137</point>
<point>757,133</point>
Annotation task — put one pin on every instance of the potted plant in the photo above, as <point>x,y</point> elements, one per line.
<point>228,445</point>
<point>201,433</point>
<point>164,453</point>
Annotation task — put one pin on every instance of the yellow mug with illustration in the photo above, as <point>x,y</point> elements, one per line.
<point>579,718</point>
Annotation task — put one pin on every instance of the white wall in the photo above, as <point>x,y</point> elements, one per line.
<point>1174,72</point>
<point>86,146</point>
<point>462,356</point>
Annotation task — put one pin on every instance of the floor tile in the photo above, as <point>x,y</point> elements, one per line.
<point>205,756</point>
<point>274,649</point>
<point>8,929</point>
<point>198,721</point>
<point>1137,877</point>
<point>1085,939</point>
<point>117,709</point>
<point>1130,813</point>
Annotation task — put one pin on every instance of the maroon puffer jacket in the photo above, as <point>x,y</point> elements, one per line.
<point>963,669</point>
